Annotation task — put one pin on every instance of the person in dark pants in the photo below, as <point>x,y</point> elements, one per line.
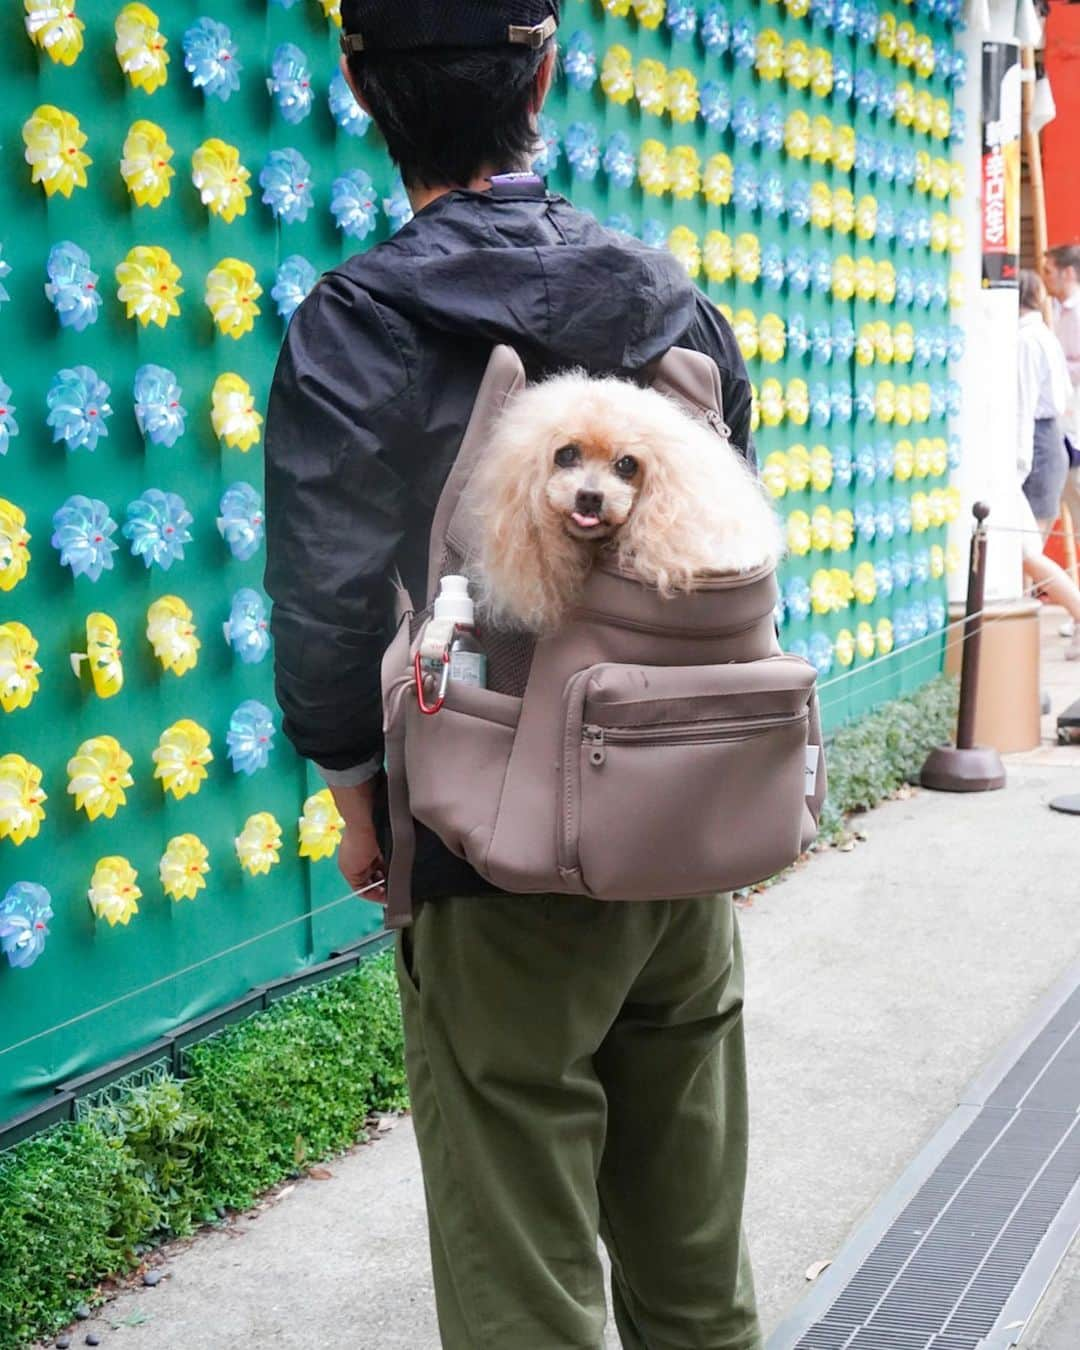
<point>576,1068</point>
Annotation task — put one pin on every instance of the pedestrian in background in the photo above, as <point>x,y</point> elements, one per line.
<point>1061,272</point>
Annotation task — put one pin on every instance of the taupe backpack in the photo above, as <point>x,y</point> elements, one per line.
<point>648,749</point>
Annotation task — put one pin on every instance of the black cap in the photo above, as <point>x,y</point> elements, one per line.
<point>403,25</point>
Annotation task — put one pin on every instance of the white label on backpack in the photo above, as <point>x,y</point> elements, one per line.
<point>813,758</point>
<point>469,668</point>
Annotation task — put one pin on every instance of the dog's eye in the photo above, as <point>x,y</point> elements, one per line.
<point>567,456</point>
<point>626,467</point>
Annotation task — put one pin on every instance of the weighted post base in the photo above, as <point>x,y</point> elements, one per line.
<point>1069,806</point>
<point>950,770</point>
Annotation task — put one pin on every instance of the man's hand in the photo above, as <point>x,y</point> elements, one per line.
<point>359,857</point>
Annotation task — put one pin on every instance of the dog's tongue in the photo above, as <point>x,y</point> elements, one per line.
<point>585,522</point>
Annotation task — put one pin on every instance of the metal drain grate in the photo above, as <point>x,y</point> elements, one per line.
<point>959,1253</point>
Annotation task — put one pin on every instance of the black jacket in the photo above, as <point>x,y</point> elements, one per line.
<point>371,397</point>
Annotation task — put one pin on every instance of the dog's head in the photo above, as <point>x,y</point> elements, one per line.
<point>593,483</point>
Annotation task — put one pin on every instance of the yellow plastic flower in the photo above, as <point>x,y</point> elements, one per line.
<point>772,338</point>
<point>821,139</point>
<point>798,461</point>
<point>905,103</point>
<point>332,11</point>
<point>54,26</point>
<point>799,539</point>
<point>234,417</point>
<point>885,281</point>
<point>923,457</point>
<point>653,169</point>
<point>843,210</point>
<point>145,166</point>
<point>957,179</point>
<point>755,410</point>
<point>21,799</point>
<point>843,148</point>
<point>843,531</point>
<point>843,277</point>
<point>920,512</point>
<point>923,55</point>
<point>938,507</point>
<point>182,754</point>
<point>683,100</point>
<point>821,210</point>
<point>844,647</point>
<point>718,179</point>
<point>183,867</point>
<point>744,325</point>
<point>684,166</point>
<point>774,474</point>
<point>866,217</point>
<point>769,58</point>
<point>141,48</point>
<point>649,12</point>
<point>617,74</point>
<point>923,171</point>
<point>823,597</point>
<point>114,892</point>
<point>903,460</point>
<point>821,72</point>
<point>797,399</point>
<point>771,401</point>
<point>258,845</point>
<point>941,121</point>
<point>885,401</point>
<point>922,118</point>
<point>797,134</point>
<point>19,670</point>
<point>747,258</point>
<point>321,827</point>
<point>939,457</point>
<point>54,150</point>
<point>103,654</point>
<point>886,36</point>
<point>937,561</point>
<point>864,584</point>
<point>865,352</point>
<point>902,414</point>
<point>797,9</point>
<point>821,468</point>
<point>821,529</point>
<point>618,9</point>
<point>797,63</point>
<point>843,588</point>
<point>920,401</point>
<point>905,43</point>
<point>957,235</point>
<point>171,632</point>
<point>231,293</point>
<point>97,776</point>
<point>865,642</point>
<point>718,255</point>
<point>222,181</point>
<point>865,278</point>
<point>725,309</point>
<point>148,280</point>
<point>14,545</point>
<point>954,559</point>
<point>903,343</point>
<point>650,86</point>
<point>684,245</point>
<point>883,341</point>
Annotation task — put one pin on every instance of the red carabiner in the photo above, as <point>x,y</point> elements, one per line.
<point>437,706</point>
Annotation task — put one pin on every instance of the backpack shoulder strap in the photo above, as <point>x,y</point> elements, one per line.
<point>694,379</point>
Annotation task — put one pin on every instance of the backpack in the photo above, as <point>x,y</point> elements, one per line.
<point>651,748</point>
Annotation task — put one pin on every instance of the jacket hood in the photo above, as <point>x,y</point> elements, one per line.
<point>534,273</point>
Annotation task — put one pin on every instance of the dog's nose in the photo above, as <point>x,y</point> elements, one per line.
<point>590,503</point>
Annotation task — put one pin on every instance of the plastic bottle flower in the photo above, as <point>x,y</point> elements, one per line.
<point>158,410</point>
<point>799,541</point>
<point>14,542</point>
<point>103,655</point>
<point>18,667</point>
<point>747,258</point>
<point>54,26</point>
<point>583,150</point>
<point>684,167</point>
<point>821,72</point>
<point>718,180</point>
<point>772,341</point>
<point>97,776</point>
<point>769,57</point>
<point>321,827</point>
<point>54,151</point>
<point>141,48</point>
<point>295,281</point>
<point>843,531</point>
<point>231,295</point>
<point>114,891</point>
<point>580,61</point>
<point>5,271</point>
<point>78,404</point>
<point>682,19</point>
<point>258,846</point>
<point>148,280</point>
<point>250,737</point>
<point>683,100</point>
<point>290,83</point>
<point>744,326</point>
<point>8,425</point>
<point>719,256</point>
<point>617,74</point>
<point>183,867</point>
<point>182,753</point>
<point>145,164</point>
<point>210,59</point>
<point>746,122</point>
<point>25,912</point>
<point>398,208</point>
<point>82,531</point>
<point>821,468</point>
<point>221,180</point>
<point>649,12</point>
<point>797,63</point>
<point>684,246</point>
<point>621,223</point>
<point>72,286</point>
<point>247,629</point>
<point>650,86</point>
<point>620,163</point>
<point>21,799</point>
<point>345,110</point>
<point>744,42</point>
<point>866,217</point>
<point>286,183</point>
<point>157,528</point>
<point>771,402</point>
<point>354,204</point>
<point>746,191</point>
<point>774,474</point>
<point>241,521</point>
<point>715,28</point>
<point>234,418</point>
<point>332,11</point>
<point>798,465</point>
<point>653,169</point>
<point>715,105</point>
<point>797,599</point>
<point>843,210</point>
<point>549,147</point>
<point>171,633</point>
<point>797,400</point>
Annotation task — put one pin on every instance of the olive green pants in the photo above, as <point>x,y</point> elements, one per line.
<point>577,1068</point>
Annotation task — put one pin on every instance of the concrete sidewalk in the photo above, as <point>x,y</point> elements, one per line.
<point>879,982</point>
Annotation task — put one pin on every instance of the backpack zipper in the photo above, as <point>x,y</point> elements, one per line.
<point>596,739</point>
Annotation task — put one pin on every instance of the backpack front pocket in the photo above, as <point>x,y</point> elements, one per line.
<point>680,781</point>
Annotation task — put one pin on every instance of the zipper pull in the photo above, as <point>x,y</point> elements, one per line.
<point>717,423</point>
<point>594,737</point>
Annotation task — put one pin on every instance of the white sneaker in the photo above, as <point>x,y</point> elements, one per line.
<point>1072,651</point>
<point>1068,628</point>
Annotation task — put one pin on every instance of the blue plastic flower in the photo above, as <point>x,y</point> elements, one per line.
<point>958,71</point>
<point>823,12</point>
<point>797,597</point>
<point>250,737</point>
<point>8,426</point>
<point>907,228</point>
<point>843,339</point>
<point>821,271</point>
<point>886,99</point>
<point>886,525</point>
<point>866,156</point>
<point>210,58</point>
<point>716,28</point>
<point>798,270</point>
<point>865,520</point>
<point>799,648</point>
<point>772,126</point>
<point>654,233</point>
<point>941,292</point>
<point>78,408</point>
<point>744,42</point>
<point>901,570</point>
<point>905,166</point>
<point>920,565</point>
<point>620,162</point>
<point>886,162</point>
<point>247,629</point>
<point>821,653</point>
<point>821,344</point>
<point>843,81</point>
<point>956,452</point>
<point>580,60</point>
<point>885,457</point>
<point>682,19</point>
<point>943,59</point>
<point>843,408</point>
<point>5,271</point>
<point>290,83</point>
<point>936,614</point>
<point>780,614</point>
<point>286,183</point>
<point>866,401</point>
<point>745,122</point>
<point>903,632</point>
<point>958,134</point>
<point>157,528</point>
<point>883,575</point>
<point>866,20</point>
<point>866,90</point>
<point>772,195</point>
<point>923,348</point>
<point>345,110</point>
<point>905,287</point>
<point>25,912</point>
<point>354,204</point>
<point>158,409</point>
<point>582,143</point>
<point>716,105</point>
<point>285,4</point>
<point>923,230</point>
<point>241,523</point>
<point>745,188</point>
<point>546,160</point>
<point>820,405</point>
<point>798,201</point>
<point>772,267</point>
<point>951,401</point>
<point>72,286</point>
<point>920,619</point>
<point>397,206</point>
<point>83,532</point>
<point>843,468</point>
<point>901,510</point>
<point>955,342</point>
<point>798,339</point>
<point>886,222</point>
<point>293,283</point>
<point>844,19</point>
<point>924,290</point>
<point>621,223</point>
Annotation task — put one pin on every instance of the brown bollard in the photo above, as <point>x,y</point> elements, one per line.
<point>968,767</point>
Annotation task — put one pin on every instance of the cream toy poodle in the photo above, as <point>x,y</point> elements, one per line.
<point>580,469</point>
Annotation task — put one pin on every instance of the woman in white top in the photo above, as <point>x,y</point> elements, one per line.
<point>1041,458</point>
